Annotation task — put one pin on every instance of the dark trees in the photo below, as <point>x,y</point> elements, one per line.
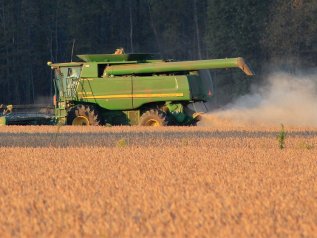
<point>34,32</point>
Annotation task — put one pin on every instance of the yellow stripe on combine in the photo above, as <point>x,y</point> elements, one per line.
<point>154,95</point>
<point>159,95</point>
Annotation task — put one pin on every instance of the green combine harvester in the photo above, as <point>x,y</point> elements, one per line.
<point>123,89</point>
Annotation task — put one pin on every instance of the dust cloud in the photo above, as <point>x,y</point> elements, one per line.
<point>283,99</point>
<point>45,100</point>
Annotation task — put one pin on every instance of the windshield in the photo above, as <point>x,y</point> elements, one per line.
<point>67,81</point>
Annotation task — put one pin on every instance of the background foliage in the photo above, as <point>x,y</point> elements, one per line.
<point>33,32</point>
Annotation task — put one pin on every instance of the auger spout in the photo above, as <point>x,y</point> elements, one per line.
<point>161,67</point>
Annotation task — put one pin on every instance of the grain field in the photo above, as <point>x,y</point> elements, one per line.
<point>157,182</point>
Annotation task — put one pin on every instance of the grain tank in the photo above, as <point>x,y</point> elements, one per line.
<point>132,89</point>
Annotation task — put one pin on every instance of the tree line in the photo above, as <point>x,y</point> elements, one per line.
<point>33,32</point>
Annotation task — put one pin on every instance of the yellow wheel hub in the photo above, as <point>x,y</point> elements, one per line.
<point>153,122</point>
<point>80,121</point>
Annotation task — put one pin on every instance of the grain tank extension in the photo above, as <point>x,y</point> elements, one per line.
<point>132,89</point>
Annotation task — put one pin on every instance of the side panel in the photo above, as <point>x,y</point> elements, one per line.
<point>201,86</point>
<point>89,70</point>
<point>113,93</point>
<point>148,89</point>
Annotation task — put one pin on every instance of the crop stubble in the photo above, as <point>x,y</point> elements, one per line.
<point>131,181</point>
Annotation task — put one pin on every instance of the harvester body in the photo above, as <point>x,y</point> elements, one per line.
<point>132,89</point>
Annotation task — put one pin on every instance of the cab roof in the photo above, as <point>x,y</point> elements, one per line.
<point>68,64</point>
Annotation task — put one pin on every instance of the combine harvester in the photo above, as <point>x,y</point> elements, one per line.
<point>123,89</point>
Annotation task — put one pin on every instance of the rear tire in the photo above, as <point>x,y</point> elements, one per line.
<point>84,115</point>
<point>153,118</point>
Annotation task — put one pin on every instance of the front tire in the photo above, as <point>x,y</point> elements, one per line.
<point>153,118</point>
<point>83,115</point>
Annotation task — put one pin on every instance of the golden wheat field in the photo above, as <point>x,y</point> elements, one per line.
<point>157,182</point>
